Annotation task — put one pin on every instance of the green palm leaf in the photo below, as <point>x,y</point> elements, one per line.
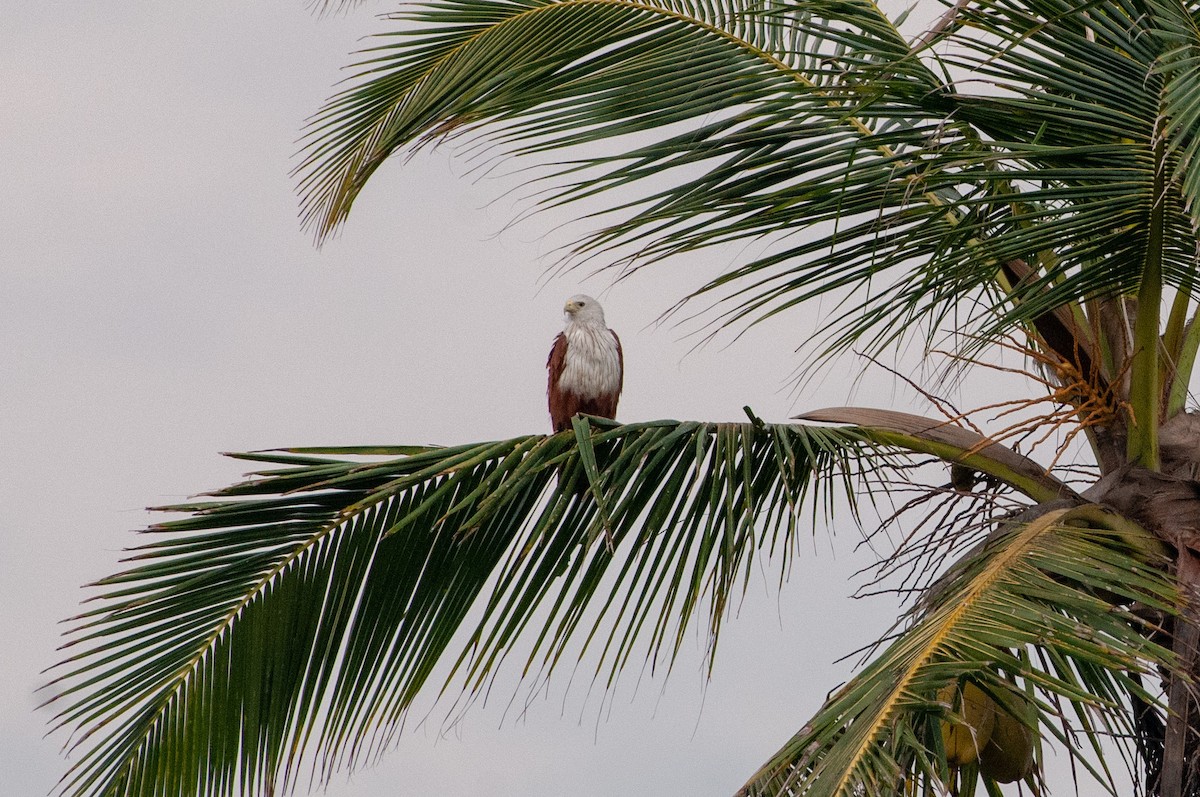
<point>1032,608</point>
<point>300,612</point>
<point>860,161</point>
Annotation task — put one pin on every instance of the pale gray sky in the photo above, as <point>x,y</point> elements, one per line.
<point>161,304</point>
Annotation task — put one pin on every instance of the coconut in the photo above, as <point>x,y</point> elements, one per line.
<point>965,737</point>
<point>1008,754</point>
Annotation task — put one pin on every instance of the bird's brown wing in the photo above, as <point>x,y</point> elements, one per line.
<point>563,405</point>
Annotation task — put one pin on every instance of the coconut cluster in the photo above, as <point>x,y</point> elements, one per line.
<point>998,737</point>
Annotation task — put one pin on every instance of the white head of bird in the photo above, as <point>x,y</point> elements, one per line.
<point>583,309</point>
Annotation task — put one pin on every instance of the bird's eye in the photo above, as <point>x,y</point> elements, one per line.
<point>581,304</point>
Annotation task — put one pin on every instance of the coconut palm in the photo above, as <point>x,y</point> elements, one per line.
<point>1023,176</point>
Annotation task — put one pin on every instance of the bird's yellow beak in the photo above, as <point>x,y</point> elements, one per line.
<point>571,307</point>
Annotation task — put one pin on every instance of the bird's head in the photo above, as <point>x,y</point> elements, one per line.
<point>581,309</point>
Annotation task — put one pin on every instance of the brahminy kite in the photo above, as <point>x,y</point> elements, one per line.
<point>586,365</point>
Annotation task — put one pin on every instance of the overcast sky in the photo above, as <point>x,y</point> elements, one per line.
<point>161,304</point>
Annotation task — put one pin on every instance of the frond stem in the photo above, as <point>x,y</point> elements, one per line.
<point>1146,390</point>
<point>1184,365</point>
<point>995,568</point>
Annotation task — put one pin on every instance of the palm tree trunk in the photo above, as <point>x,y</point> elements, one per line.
<point>1167,504</point>
<point>1181,748</point>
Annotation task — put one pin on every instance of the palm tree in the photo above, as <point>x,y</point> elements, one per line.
<point>1023,176</point>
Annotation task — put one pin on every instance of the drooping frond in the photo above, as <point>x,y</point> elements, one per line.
<point>867,167</point>
<point>299,613</point>
<point>1037,612</point>
<point>553,74</point>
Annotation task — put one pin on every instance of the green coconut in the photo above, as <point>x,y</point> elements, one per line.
<point>966,737</point>
<point>1008,754</point>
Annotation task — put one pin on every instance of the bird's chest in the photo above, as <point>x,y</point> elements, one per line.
<point>592,365</point>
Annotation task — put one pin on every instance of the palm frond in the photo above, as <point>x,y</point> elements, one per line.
<point>1179,67</point>
<point>862,164</point>
<point>296,616</point>
<point>553,74</point>
<point>1037,607</point>
<point>949,442</point>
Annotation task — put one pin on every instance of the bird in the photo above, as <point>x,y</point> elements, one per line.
<point>586,365</point>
